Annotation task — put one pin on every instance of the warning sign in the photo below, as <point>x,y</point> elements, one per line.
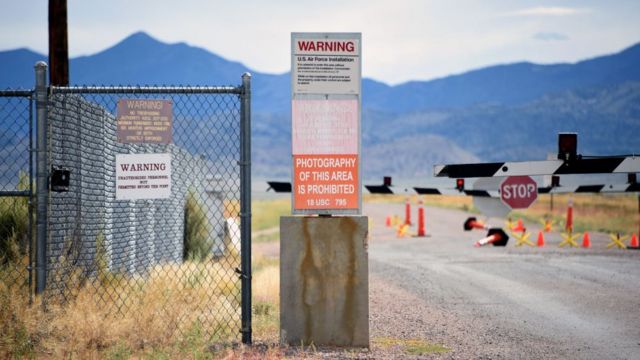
<point>144,121</point>
<point>325,126</point>
<point>143,176</point>
<point>326,181</point>
<point>325,123</point>
<point>325,65</point>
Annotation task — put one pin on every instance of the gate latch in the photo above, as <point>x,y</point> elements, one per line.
<point>240,273</point>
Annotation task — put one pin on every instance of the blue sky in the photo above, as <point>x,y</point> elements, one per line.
<point>402,39</point>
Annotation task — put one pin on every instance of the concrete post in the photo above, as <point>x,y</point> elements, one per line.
<point>324,281</point>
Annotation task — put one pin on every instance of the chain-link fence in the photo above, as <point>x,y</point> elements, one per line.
<point>143,213</point>
<point>16,220</point>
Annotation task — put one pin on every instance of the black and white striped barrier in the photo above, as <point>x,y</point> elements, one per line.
<point>451,191</point>
<point>279,186</point>
<point>380,189</point>
<point>564,189</point>
<point>285,187</point>
<point>598,188</point>
<point>600,165</point>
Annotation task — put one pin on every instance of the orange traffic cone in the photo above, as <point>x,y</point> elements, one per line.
<point>519,227</point>
<point>387,221</point>
<point>421,230</point>
<point>586,242</point>
<point>569,224</point>
<point>407,212</point>
<point>540,239</point>
<point>634,242</point>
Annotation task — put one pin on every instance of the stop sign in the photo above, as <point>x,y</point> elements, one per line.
<point>518,192</point>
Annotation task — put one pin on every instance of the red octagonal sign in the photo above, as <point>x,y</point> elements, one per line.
<point>518,192</point>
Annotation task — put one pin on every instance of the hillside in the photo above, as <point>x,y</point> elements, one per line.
<point>502,112</point>
<point>607,119</point>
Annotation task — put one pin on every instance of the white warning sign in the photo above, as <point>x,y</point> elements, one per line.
<point>325,65</point>
<point>143,176</point>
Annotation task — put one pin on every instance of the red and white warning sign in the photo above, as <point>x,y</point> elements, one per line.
<point>325,123</point>
<point>325,126</point>
<point>518,192</point>
<point>325,63</point>
<point>326,181</point>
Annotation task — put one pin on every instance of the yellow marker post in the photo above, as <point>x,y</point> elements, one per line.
<point>522,239</point>
<point>509,224</point>
<point>569,239</point>
<point>617,240</point>
<point>548,224</point>
<point>402,231</point>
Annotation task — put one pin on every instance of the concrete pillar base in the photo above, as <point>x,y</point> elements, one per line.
<point>324,281</point>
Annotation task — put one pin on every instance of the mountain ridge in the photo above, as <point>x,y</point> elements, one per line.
<point>509,84</point>
<point>455,118</point>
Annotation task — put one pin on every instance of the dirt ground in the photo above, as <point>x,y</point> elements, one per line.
<point>494,302</point>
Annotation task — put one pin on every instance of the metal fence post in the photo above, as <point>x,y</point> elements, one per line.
<point>245,205</point>
<point>42,183</point>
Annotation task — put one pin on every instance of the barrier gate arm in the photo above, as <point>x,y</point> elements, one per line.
<point>563,189</point>
<point>600,165</point>
<point>285,187</point>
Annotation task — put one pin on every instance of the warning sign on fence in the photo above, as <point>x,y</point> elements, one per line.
<point>144,121</point>
<point>325,123</point>
<point>143,176</point>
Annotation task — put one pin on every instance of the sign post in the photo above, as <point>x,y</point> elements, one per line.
<point>518,192</point>
<point>325,126</point>
<point>325,254</point>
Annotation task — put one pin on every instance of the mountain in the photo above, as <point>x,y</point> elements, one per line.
<point>140,59</point>
<point>511,84</point>
<point>16,68</point>
<point>502,112</point>
<point>607,119</point>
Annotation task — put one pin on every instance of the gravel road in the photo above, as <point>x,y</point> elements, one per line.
<point>500,303</point>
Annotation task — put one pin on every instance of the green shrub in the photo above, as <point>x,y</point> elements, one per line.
<point>14,225</point>
<point>197,242</point>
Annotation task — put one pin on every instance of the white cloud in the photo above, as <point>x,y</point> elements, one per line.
<point>547,11</point>
<point>550,36</point>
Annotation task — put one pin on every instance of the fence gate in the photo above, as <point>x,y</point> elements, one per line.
<point>143,202</point>
<point>16,191</point>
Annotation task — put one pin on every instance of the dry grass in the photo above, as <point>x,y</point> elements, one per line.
<point>266,213</point>
<point>266,304</point>
<point>189,310</point>
<point>591,212</point>
<point>609,213</point>
<point>452,202</point>
<point>416,347</point>
<point>177,310</point>
<point>265,237</point>
<point>185,310</point>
